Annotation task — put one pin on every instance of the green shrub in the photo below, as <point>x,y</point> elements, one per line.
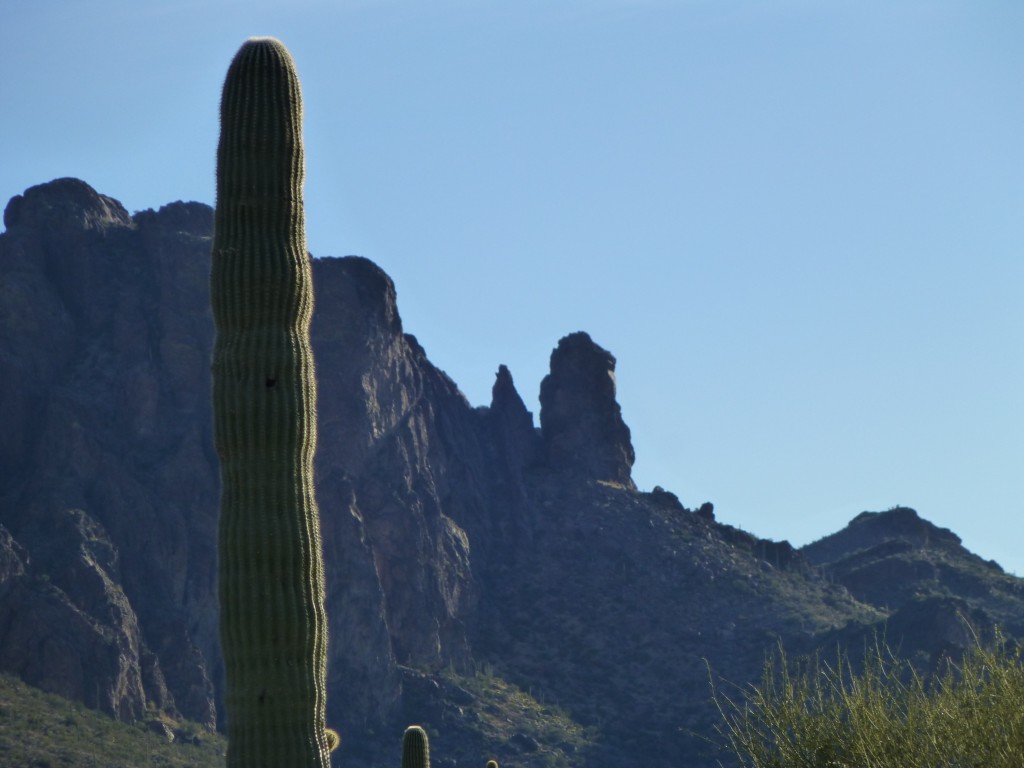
<point>885,714</point>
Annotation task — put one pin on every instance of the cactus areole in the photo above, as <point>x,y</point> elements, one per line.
<point>273,628</point>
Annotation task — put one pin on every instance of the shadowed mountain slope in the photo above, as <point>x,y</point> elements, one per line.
<point>500,581</point>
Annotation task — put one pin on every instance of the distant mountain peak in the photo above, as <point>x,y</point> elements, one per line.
<point>64,203</point>
<point>871,529</point>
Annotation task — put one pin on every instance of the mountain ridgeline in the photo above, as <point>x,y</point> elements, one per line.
<point>501,582</point>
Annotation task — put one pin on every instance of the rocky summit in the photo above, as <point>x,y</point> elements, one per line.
<point>498,580</point>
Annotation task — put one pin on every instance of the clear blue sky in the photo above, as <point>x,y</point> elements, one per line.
<point>799,225</point>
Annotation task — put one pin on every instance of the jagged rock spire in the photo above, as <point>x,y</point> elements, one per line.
<point>581,421</point>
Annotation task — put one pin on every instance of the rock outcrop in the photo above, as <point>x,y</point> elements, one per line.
<point>70,629</point>
<point>64,206</point>
<point>516,440</point>
<point>580,419</point>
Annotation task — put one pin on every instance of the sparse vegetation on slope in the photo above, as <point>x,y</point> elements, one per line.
<point>41,730</point>
<point>891,559</point>
<point>479,716</point>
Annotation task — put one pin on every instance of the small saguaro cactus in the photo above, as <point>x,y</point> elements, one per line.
<point>271,584</point>
<point>415,748</point>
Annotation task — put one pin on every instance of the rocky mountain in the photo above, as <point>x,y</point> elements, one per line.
<point>501,581</point>
<point>934,593</point>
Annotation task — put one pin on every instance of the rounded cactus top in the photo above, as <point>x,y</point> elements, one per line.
<point>415,748</point>
<point>261,124</point>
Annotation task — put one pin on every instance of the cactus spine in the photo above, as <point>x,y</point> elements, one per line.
<point>273,627</point>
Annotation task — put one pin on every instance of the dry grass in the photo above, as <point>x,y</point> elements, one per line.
<point>881,714</point>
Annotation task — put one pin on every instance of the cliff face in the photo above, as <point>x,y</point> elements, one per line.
<point>398,563</point>
<point>106,338</point>
<point>478,567</point>
<point>105,342</point>
<point>70,627</point>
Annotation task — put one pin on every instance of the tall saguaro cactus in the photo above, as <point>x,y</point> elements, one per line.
<point>273,627</point>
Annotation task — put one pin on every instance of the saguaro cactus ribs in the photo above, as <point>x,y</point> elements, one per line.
<point>273,628</point>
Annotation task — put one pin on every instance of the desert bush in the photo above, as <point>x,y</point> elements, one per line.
<point>881,713</point>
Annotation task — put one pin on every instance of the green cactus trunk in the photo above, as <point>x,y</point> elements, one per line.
<point>273,627</point>
<point>415,748</point>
